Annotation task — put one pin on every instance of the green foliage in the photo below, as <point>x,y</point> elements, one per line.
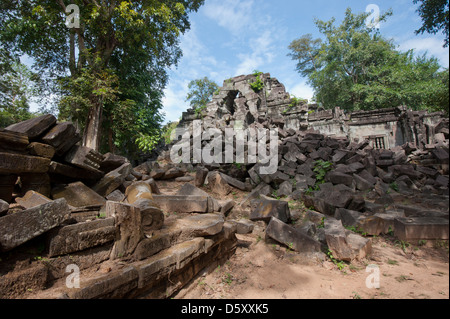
<point>435,17</point>
<point>117,60</point>
<point>200,93</point>
<point>294,102</point>
<point>257,85</point>
<point>17,87</point>
<point>394,186</point>
<point>339,263</point>
<point>356,68</point>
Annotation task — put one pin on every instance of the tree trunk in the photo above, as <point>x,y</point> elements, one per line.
<point>91,136</point>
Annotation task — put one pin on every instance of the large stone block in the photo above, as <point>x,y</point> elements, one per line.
<point>152,217</point>
<point>13,141</point>
<point>78,195</point>
<point>34,127</point>
<point>129,223</point>
<point>81,236</point>
<point>182,204</point>
<point>20,227</point>
<point>111,181</point>
<point>84,157</point>
<point>40,149</point>
<point>32,199</point>
<point>421,228</point>
<point>138,191</point>
<point>70,173</point>
<point>266,209</point>
<point>19,164</point>
<point>291,237</point>
<point>62,137</point>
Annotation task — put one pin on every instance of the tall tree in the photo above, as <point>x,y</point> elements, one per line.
<point>86,51</point>
<point>356,68</point>
<point>435,17</point>
<point>201,92</point>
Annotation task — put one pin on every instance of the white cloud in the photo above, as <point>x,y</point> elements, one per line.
<point>432,45</point>
<point>233,15</point>
<point>174,100</point>
<point>262,53</point>
<point>302,90</point>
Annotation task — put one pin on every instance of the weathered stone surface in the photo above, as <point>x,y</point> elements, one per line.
<point>35,126</point>
<point>152,218</point>
<point>201,225</point>
<point>200,176</point>
<point>340,178</point>
<point>361,247</point>
<point>137,191</point>
<point>112,161</point>
<point>191,190</point>
<point>160,240</point>
<point>127,219</point>
<point>72,173</point>
<point>13,284</point>
<point>182,204</point>
<point>4,206</point>
<point>285,189</point>
<point>78,195</point>
<point>81,236</point>
<point>36,182</point>
<point>107,286</point>
<point>417,228</point>
<point>40,149</point>
<point>226,206</point>
<point>348,217</point>
<point>235,183</point>
<point>20,227</point>
<point>218,184</point>
<point>337,240</point>
<point>62,137</point>
<point>266,209</point>
<point>185,179</point>
<point>13,141</point>
<point>84,157</point>
<point>111,181</point>
<point>291,237</point>
<point>32,199</point>
<point>244,226</point>
<point>116,196</point>
<point>19,164</point>
<point>172,173</point>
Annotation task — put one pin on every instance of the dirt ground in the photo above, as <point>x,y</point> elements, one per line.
<point>263,269</point>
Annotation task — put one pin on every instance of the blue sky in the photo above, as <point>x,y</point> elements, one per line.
<point>233,37</point>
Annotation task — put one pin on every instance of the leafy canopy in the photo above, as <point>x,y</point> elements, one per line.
<point>356,68</point>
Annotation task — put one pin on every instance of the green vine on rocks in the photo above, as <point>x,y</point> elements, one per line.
<point>257,85</point>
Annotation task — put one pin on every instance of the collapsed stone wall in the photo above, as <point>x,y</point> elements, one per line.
<point>64,206</point>
<point>384,128</point>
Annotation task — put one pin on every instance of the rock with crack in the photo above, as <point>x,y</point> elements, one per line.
<point>291,237</point>
<point>78,195</point>
<point>266,209</point>
<point>111,181</point>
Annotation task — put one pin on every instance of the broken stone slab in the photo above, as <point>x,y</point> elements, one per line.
<point>18,228</point>
<point>19,164</point>
<point>40,149</point>
<point>244,226</point>
<point>112,161</point>
<point>62,137</point>
<point>78,195</point>
<point>191,190</point>
<point>362,184</point>
<point>266,209</point>
<point>13,141</point>
<point>152,218</point>
<point>285,189</point>
<point>182,204</point>
<point>173,173</point>
<point>116,284</point>
<point>39,182</point>
<point>116,196</point>
<point>421,228</point>
<point>174,258</point>
<point>81,236</point>
<point>200,225</point>
<point>218,184</point>
<point>84,157</point>
<point>111,181</point>
<point>361,247</point>
<point>340,178</point>
<point>34,127</point>
<point>127,219</point>
<point>336,238</point>
<point>226,206</point>
<point>32,199</point>
<point>185,179</point>
<point>235,183</point>
<point>72,173</point>
<point>348,217</point>
<point>200,176</point>
<point>327,202</point>
<point>291,237</point>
